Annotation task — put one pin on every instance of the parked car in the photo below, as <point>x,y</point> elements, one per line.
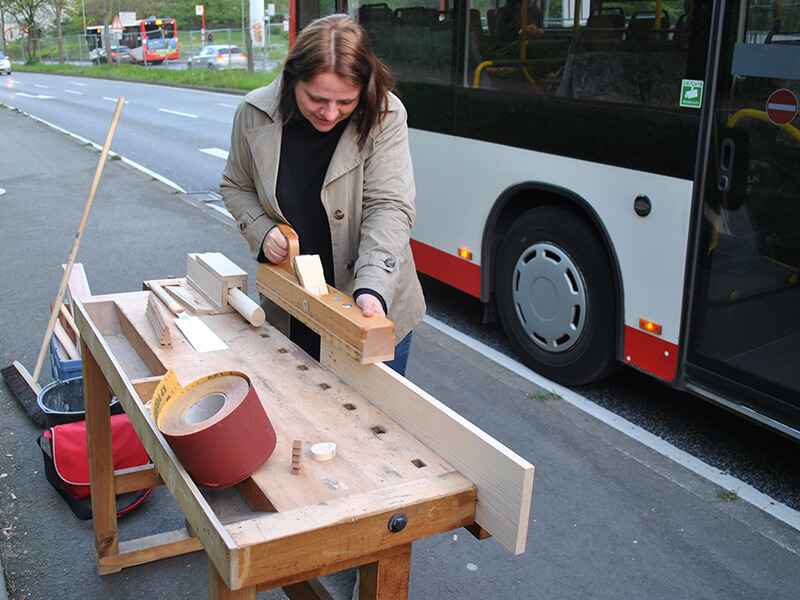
<point>5,64</point>
<point>219,57</point>
<point>119,54</point>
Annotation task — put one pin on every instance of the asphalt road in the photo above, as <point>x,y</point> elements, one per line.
<point>182,135</point>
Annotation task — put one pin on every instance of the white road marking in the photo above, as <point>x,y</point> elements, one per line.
<point>180,114</point>
<point>746,492</point>
<point>37,96</point>
<point>112,99</point>
<point>218,152</point>
<point>74,92</point>
<point>39,85</point>
<point>153,174</point>
<point>226,105</point>
<point>77,83</point>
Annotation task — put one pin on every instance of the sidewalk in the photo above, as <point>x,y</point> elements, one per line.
<point>610,520</point>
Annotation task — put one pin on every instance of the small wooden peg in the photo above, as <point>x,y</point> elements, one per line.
<point>297,449</point>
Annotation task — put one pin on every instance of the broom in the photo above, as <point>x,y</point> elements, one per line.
<point>24,386</point>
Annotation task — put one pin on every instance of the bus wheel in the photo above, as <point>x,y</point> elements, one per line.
<point>555,296</point>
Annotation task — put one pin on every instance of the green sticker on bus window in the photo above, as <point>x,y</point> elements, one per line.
<point>691,93</point>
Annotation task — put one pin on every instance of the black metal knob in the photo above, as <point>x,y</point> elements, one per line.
<point>397,523</point>
<point>642,205</point>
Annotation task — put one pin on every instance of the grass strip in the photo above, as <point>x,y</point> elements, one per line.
<point>232,80</point>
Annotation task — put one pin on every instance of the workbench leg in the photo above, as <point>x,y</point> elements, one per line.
<point>218,589</point>
<point>97,398</point>
<point>387,579</point>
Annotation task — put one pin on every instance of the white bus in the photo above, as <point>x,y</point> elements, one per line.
<point>618,185</point>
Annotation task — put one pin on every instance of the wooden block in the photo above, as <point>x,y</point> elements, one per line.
<point>158,322</point>
<point>174,307</point>
<point>308,268</point>
<point>220,264</point>
<point>297,449</point>
<point>213,274</point>
<point>336,315</point>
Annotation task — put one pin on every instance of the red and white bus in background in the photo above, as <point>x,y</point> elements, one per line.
<point>152,40</point>
<point>619,185</point>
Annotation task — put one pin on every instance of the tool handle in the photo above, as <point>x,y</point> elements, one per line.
<point>293,246</point>
<point>76,244</point>
<point>162,294</point>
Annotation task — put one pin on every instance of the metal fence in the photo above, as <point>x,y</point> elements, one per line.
<point>83,49</point>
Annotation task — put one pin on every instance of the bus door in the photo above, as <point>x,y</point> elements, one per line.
<point>744,333</point>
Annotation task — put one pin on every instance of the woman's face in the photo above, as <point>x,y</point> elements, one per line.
<point>326,100</point>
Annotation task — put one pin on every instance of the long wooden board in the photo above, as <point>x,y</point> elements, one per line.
<point>367,339</point>
<point>504,480</point>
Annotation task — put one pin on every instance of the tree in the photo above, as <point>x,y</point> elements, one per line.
<point>3,24</point>
<point>59,8</point>
<point>29,14</point>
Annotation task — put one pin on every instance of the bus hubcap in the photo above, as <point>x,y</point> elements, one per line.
<point>550,297</point>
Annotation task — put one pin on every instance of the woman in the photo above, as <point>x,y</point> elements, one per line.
<point>324,148</point>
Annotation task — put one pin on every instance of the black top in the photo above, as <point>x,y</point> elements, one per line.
<point>305,156</point>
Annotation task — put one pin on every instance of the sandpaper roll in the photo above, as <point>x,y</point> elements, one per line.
<point>216,425</point>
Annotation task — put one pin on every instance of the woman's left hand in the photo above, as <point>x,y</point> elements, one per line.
<point>370,305</point>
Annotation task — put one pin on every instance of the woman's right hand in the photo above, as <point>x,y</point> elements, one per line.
<point>275,246</point>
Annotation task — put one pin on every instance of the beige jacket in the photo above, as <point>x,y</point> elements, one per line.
<point>368,196</point>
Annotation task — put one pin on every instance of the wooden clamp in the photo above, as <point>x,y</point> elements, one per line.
<point>334,315</point>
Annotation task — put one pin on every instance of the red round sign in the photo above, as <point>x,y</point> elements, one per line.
<point>782,107</point>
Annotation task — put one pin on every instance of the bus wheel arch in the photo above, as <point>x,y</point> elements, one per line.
<point>498,251</point>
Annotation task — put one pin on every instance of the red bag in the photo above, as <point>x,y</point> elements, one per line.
<point>66,461</point>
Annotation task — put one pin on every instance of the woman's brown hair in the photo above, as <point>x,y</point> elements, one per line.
<point>336,44</point>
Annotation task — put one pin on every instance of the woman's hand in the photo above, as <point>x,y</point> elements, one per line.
<point>370,305</point>
<point>275,246</point>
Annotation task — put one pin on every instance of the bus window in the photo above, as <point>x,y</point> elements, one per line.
<point>621,53</point>
<point>414,37</point>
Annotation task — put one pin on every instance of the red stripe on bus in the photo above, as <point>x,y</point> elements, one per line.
<point>651,354</point>
<point>452,270</point>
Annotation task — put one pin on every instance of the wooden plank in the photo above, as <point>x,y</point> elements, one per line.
<point>216,540</point>
<point>387,579</point>
<point>218,589</point>
<point>66,320</point>
<point>78,284</point>
<point>277,545</point>
<point>97,397</point>
<point>504,479</point>
<point>63,338</point>
<point>367,339</point>
<point>150,548</point>
<point>159,323</point>
<point>136,478</point>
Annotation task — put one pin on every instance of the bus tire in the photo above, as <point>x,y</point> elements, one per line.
<point>556,297</point>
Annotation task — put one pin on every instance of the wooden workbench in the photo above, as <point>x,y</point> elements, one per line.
<point>334,515</point>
